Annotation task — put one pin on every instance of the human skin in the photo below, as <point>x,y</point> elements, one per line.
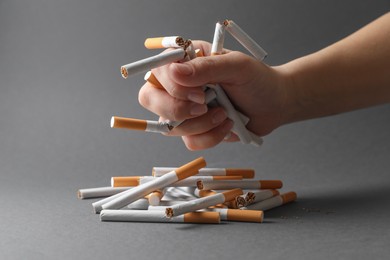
<point>351,74</point>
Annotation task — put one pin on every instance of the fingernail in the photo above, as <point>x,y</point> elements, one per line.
<point>198,110</point>
<point>219,116</point>
<point>196,97</point>
<point>184,68</point>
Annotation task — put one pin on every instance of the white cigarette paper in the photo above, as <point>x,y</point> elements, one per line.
<point>202,203</point>
<point>219,35</point>
<point>140,191</point>
<point>243,184</point>
<point>157,216</point>
<point>242,37</point>
<point>153,62</point>
<point>99,192</point>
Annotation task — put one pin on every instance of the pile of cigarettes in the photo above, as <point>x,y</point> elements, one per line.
<point>191,193</point>
<point>181,50</point>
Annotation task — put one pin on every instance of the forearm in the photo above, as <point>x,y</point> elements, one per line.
<point>350,74</point>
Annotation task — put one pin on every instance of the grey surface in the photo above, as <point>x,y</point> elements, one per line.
<point>60,84</point>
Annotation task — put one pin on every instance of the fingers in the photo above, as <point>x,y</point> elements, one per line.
<point>208,139</point>
<point>163,104</point>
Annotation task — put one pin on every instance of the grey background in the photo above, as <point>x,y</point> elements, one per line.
<point>60,84</point>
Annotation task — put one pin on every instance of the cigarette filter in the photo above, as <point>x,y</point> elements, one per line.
<point>242,37</point>
<point>219,36</point>
<point>99,192</point>
<point>243,184</point>
<point>139,124</point>
<point>240,215</point>
<point>164,42</point>
<point>153,62</point>
<point>149,77</point>
<point>158,216</point>
<point>199,53</point>
<point>202,203</point>
<point>244,172</point>
<point>273,202</point>
<point>155,197</point>
<point>140,191</point>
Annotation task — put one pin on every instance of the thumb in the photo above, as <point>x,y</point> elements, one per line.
<point>230,68</point>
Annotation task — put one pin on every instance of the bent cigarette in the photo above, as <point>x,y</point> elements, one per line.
<point>242,37</point>
<point>243,172</point>
<point>240,215</point>
<point>219,36</point>
<point>243,184</point>
<point>139,124</point>
<point>164,42</point>
<point>99,192</point>
<point>273,202</point>
<point>153,62</point>
<point>158,216</point>
<point>202,203</point>
<point>131,181</point>
<point>140,191</point>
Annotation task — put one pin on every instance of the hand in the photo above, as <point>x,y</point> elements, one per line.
<point>255,89</point>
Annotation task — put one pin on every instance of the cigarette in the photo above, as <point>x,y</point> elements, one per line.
<point>204,193</point>
<point>131,181</point>
<point>164,204</point>
<point>99,192</point>
<point>240,215</point>
<point>158,216</point>
<point>153,62</point>
<point>243,184</point>
<point>202,203</point>
<point>139,124</point>
<point>242,37</point>
<point>126,197</point>
<point>273,202</point>
<point>219,36</point>
<point>164,42</point>
<point>243,172</point>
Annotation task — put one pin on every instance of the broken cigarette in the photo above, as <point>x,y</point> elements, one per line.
<point>142,190</point>
<point>158,216</point>
<point>244,172</point>
<point>243,184</point>
<point>202,203</point>
<point>219,36</point>
<point>140,124</point>
<point>273,202</point>
<point>164,42</point>
<point>242,37</point>
<point>153,62</point>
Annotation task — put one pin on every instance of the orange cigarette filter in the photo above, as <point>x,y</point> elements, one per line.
<point>289,197</point>
<point>202,217</point>
<point>245,173</point>
<point>125,181</point>
<point>271,184</point>
<point>149,77</point>
<point>190,168</point>
<point>128,123</point>
<point>245,215</point>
